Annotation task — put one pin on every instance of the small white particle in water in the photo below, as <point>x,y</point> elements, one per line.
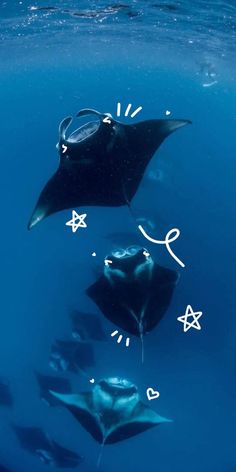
<point>168,112</point>
<point>94,254</point>
<point>190,41</point>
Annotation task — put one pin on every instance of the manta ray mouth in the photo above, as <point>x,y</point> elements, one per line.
<point>118,386</point>
<point>129,251</point>
<point>84,132</point>
<point>128,259</point>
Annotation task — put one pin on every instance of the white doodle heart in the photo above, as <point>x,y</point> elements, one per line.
<point>152,394</point>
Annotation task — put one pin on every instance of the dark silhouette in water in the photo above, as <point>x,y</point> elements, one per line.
<point>35,441</point>
<point>91,13</point>
<point>49,382</point>
<point>4,469</point>
<point>101,163</point>
<point>71,356</point>
<point>133,292</point>
<point>5,394</point>
<point>87,326</point>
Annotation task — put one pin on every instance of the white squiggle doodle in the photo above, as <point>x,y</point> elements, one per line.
<point>167,241</point>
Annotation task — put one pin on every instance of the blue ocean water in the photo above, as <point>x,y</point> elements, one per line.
<point>178,56</point>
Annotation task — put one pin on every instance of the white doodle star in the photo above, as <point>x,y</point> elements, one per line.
<point>75,217</point>
<point>189,313</point>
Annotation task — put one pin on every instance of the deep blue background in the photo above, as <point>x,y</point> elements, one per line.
<point>44,272</point>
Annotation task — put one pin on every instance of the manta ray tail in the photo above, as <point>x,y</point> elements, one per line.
<point>100,454</point>
<point>142,347</point>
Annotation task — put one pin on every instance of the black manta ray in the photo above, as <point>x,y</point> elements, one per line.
<point>133,292</point>
<point>49,382</point>
<point>71,356</point>
<point>87,326</point>
<point>101,163</point>
<point>112,412</point>
<point>35,441</point>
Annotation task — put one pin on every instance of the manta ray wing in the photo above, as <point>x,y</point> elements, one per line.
<point>32,439</point>
<point>81,407</point>
<point>49,382</point>
<point>142,419</point>
<point>143,140</point>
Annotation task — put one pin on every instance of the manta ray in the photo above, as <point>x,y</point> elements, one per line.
<point>101,163</point>
<point>133,291</point>
<point>112,411</point>
<point>49,382</point>
<point>35,441</point>
<point>87,326</point>
<point>71,356</point>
